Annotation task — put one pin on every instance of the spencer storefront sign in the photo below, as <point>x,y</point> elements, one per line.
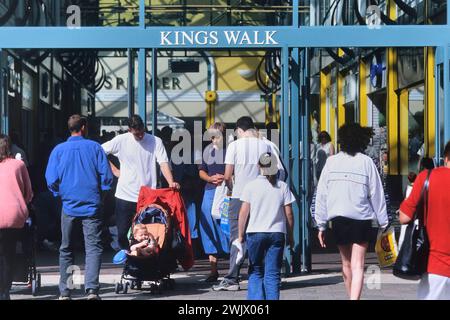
<point>214,38</point>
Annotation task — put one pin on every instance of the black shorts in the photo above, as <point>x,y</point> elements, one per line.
<point>349,231</point>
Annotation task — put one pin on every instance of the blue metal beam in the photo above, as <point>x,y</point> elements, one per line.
<point>154,90</point>
<point>285,127</point>
<point>4,119</point>
<point>446,66</point>
<point>295,16</point>
<point>131,92</point>
<point>216,37</point>
<point>295,172</point>
<point>142,13</point>
<point>306,163</point>
<point>439,60</point>
<point>142,85</point>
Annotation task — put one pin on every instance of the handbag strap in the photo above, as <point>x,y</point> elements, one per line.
<point>424,199</point>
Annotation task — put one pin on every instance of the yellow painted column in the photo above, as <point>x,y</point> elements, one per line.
<point>340,99</point>
<point>403,136</point>
<point>362,93</point>
<point>333,121</point>
<point>324,78</point>
<point>430,102</point>
<point>392,102</point>
<point>210,99</point>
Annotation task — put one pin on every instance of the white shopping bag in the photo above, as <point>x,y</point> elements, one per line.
<point>242,248</point>
<point>219,197</point>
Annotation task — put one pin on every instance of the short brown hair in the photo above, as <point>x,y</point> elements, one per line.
<point>447,150</point>
<point>135,122</point>
<point>5,147</point>
<point>76,122</point>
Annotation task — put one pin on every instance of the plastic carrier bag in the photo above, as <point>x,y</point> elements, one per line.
<point>224,221</point>
<point>219,197</point>
<point>386,247</point>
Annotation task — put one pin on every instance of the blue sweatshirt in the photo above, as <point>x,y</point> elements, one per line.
<point>78,170</point>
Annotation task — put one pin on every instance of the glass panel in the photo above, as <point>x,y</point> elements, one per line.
<point>416,127</point>
<point>410,66</point>
<point>331,13</point>
<point>219,13</point>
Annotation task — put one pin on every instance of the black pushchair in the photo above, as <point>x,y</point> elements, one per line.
<point>155,269</point>
<point>25,272</point>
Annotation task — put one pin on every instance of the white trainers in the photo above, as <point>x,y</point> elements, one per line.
<point>224,285</point>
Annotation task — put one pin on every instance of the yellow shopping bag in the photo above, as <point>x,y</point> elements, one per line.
<point>386,247</point>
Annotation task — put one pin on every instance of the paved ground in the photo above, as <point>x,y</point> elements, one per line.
<point>324,283</point>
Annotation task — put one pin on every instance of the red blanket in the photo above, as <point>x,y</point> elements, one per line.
<point>173,202</point>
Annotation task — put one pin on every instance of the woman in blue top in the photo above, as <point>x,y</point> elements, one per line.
<point>214,241</point>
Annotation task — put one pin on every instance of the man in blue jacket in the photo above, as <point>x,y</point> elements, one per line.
<point>78,171</point>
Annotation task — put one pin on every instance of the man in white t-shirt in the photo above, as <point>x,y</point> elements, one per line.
<point>241,159</point>
<point>138,153</point>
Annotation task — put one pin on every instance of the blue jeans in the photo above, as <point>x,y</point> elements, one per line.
<point>125,212</point>
<point>265,255</point>
<point>92,229</point>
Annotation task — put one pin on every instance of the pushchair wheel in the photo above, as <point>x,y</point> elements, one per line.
<point>125,288</point>
<point>168,284</point>
<point>34,287</point>
<point>38,281</point>
<point>136,285</point>
<point>118,288</point>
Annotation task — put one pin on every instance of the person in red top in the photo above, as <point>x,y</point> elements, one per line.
<point>435,284</point>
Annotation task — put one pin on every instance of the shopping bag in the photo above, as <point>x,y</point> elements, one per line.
<point>224,220</point>
<point>219,197</point>
<point>386,247</point>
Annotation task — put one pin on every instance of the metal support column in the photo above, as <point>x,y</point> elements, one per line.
<point>295,173</point>
<point>285,106</point>
<point>154,90</point>
<point>295,16</point>
<point>142,70</point>
<point>142,87</point>
<point>285,127</point>
<point>131,92</point>
<point>446,106</point>
<point>439,102</point>
<point>3,96</point>
<point>306,163</point>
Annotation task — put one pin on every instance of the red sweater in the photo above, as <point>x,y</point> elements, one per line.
<point>171,200</point>
<point>438,221</point>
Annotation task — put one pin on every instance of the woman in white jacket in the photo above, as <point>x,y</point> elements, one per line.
<point>350,195</point>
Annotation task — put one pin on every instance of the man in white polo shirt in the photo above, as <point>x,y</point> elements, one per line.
<point>241,158</point>
<point>138,153</point>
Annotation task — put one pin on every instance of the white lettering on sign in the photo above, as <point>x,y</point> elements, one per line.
<point>202,38</point>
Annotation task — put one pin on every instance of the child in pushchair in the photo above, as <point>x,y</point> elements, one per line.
<point>159,238</point>
<point>144,244</point>
<point>150,257</point>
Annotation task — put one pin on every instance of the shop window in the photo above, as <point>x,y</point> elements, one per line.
<point>416,130</point>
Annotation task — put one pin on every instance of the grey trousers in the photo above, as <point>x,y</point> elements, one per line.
<point>233,274</point>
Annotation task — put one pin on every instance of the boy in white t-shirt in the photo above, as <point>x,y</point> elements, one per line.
<point>241,161</point>
<point>266,218</point>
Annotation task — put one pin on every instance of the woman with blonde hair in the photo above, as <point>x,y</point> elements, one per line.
<point>212,169</point>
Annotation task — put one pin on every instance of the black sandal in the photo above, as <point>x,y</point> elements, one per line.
<point>213,277</point>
